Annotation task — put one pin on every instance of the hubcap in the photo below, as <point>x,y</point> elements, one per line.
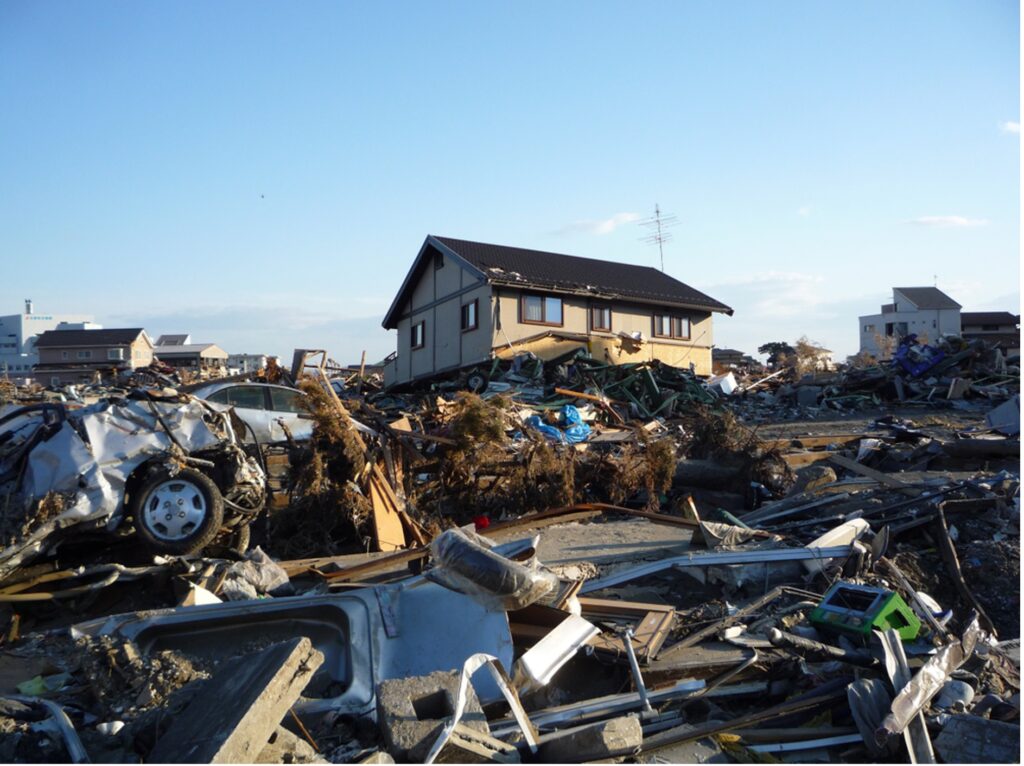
<point>174,509</point>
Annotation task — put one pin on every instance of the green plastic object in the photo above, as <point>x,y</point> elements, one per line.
<point>856,610</point>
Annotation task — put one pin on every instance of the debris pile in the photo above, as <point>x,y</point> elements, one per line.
<point>571,562</point>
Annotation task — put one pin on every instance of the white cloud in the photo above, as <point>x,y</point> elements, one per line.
<point>804,211</point>
<point>600,227</point>
<point>948,221</point>
<point>1010,127</point>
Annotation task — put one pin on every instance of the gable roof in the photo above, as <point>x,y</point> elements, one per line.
<point>988,317</point>
<point>557,272</point>
<point>112,337</point>
<point>928,297</point>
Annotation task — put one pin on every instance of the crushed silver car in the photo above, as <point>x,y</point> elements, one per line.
<point>171,465</point>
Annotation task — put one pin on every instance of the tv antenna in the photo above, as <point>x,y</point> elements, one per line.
<point>658,224</point>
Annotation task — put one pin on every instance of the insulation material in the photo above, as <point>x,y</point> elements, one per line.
<point>464,562</point>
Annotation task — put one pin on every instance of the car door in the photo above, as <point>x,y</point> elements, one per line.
<point>250,403</point>
<point>286,405</point>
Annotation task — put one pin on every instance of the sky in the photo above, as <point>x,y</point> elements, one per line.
<point>261,175</point>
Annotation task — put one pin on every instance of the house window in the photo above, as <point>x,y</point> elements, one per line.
<point>540,309</point>
<point>469,318</point>
<point>63,354</point>
<point>418,335</point>
<point>115,353</point>
<point>984,327</point>
<point>84,355</point>
<point>54,381</point>
<point>601,318</point>
<point>869,328</point>
<point>668,326</point>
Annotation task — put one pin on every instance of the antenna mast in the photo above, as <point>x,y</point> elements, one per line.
<point>658,224</point>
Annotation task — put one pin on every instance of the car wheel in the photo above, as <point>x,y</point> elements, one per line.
<point>177,514</point>
<point>477,382</point>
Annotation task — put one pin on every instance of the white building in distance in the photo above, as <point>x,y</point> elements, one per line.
<point>18,333</point>
<point>923,311</point>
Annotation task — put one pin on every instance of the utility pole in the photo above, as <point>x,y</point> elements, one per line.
<point>658,225</point>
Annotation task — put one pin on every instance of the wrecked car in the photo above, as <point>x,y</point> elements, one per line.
<point>171,466</point>
<point>271,413</point>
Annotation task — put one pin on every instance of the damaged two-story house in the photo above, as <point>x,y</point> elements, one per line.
<point>463,303</point>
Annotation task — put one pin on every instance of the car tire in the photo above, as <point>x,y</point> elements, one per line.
<point>177,514</point>
<point>477,382</point>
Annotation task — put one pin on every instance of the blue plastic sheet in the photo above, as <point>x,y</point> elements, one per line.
<point>575,430</point>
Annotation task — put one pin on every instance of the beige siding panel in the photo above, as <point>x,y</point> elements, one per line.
<point>447,333</point>
<point>423,293</point>
<point>448,278</point>
<point>403,363</point>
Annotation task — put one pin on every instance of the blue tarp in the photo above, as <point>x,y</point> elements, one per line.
<point>575,430</point>
<point>917,358</point>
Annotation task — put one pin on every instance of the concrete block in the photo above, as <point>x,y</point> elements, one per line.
<point>593,742</point>
<point>239,708</point>
<point>971,739</point>
<point>411,712</point>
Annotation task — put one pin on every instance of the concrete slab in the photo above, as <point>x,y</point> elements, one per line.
<point>604,543</point>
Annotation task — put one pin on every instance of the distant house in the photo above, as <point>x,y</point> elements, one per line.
<point>179,351</point>
<point>726,359</point>
<point>924,311</point>
<point>90,356</point>
<point>465,302</point>
<point>1000,327</point>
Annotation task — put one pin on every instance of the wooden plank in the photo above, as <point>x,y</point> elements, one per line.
<point>800,459</point>
<point>387,524</point>
<point>238,710</point>
<point>882,478</point>
<point>810,442</point>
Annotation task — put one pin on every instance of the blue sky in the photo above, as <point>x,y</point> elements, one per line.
<point>262,174</point>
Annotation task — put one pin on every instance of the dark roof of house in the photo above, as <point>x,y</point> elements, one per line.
<point>113,337</point>
<point>928,297</point>
<point>988,317</point>
<point>561,273</point>
<point>536,268</point>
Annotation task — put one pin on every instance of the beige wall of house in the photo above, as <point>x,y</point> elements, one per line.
<point>625,317</point>
<point>140,356</point>
<point>437,301</point>
<point>88,364</point>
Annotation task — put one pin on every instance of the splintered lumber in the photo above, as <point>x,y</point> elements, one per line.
<point>237,711</point>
